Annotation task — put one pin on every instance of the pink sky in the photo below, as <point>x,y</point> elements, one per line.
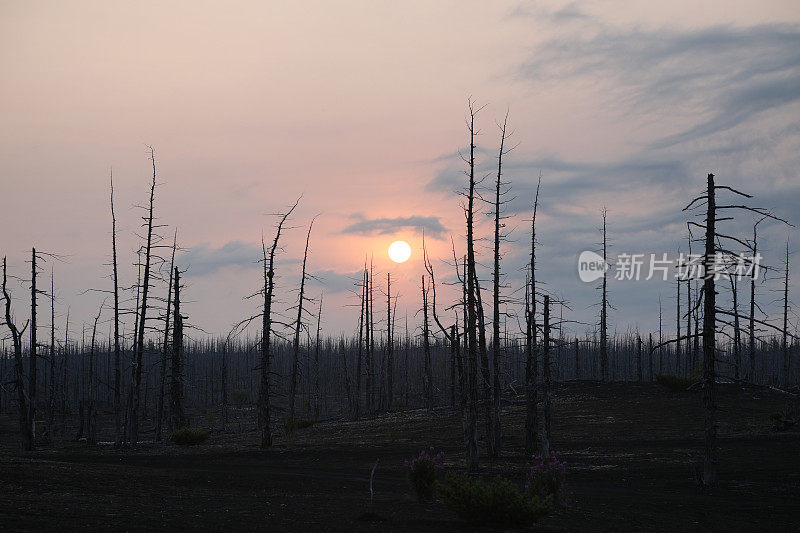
<point>359,107</point>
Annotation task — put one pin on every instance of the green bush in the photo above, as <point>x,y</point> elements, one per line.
<point>675,383</point>
<point>547,476</point>
<point>498,502</point>
<point>291,426</point>
<point>240,397</point>
<point>422,472</point>
<point>189,437</point>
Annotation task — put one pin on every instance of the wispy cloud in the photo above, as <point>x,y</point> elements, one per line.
<point>204,259</point>
<point>725,75</point>
<point>384,226</point>
<point>332,282</point>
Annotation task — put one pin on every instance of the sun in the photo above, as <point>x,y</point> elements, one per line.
<point>399,251</point>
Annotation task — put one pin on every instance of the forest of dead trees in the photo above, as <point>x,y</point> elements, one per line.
<point>139,362</point>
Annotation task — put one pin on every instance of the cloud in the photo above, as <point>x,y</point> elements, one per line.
<point>723,74</point>
<point>333,282</point>
<point>432,226</point>
<point>204,259</point>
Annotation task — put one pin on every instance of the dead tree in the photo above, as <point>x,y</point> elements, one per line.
<point>660,338</point>
<point>531,348</point>
<point>266,330</point>
<point>317,397</point>
<point>115,278</point>
<point>638,358</point>
<point>751,329</point>
<point>165,344</point>
<point>737,344</point>
<point>678,328</point>
<point>142,316</point>
<point>500,191</point>
<point>297,327</point>
<point>357,397</point>
<point>25,428</point>
<point>51,394</point>
<point>371,352</point>
<point>784,345</point>
<point>689,368</point>
<point>350,401</point>
<point>224,382</point>
<point>427,375</point>
<point>389,344</point>
<point>472,304</point>
<point>452,336</point>
<point>32,362</point>
<point>178,419</point>
<point>546,415</point>
<point>91,390</point>
<point>715,252</point>
<point>367,337</point>
<point>604,309</point>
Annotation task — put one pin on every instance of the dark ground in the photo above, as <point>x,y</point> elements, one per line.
<point>631,451</point>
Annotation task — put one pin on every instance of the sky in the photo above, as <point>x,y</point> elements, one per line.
<point>358,109</point>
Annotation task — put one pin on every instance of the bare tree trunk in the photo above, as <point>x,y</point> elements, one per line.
<point>64,378</point>
<point>91,413</point>
<point>678,329</point>
<point>137,363</point>
<point>297,326</point>
<point>531,363</point>
<point>709,342</point>
<point>33,363</point>
<point>737,346</point>
<point>638,358</point>
<point>266,330</point>
<point>346,376</point>
<point>357,398</point>
<point>165,345</point>
<point>660,339</point>
<point>115,278</point>
<point>224,384</point>
<point>368,335</point>
<point>495,434</point>
<point>455,364</point>
<point>604,311</point>
<point>784,344</point>
<point>371,325</point>
<point>472,312</point>
<point>51,396</point>
<point>687,357</point>
<point>751,326</point>
<point>317,396</point>
<point>389,344</point>
<point>546,415</point>
<point>427,376</point>
<point>176,379</point>
<point>25,430</point>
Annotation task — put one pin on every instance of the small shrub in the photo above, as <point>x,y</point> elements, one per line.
<point>240,397</point>
<point>189,437</point>
<point>422,471</point>
<point>547,476</point>
<point>498,502</point>
<point>675,383</point>
<point>291,426</point>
